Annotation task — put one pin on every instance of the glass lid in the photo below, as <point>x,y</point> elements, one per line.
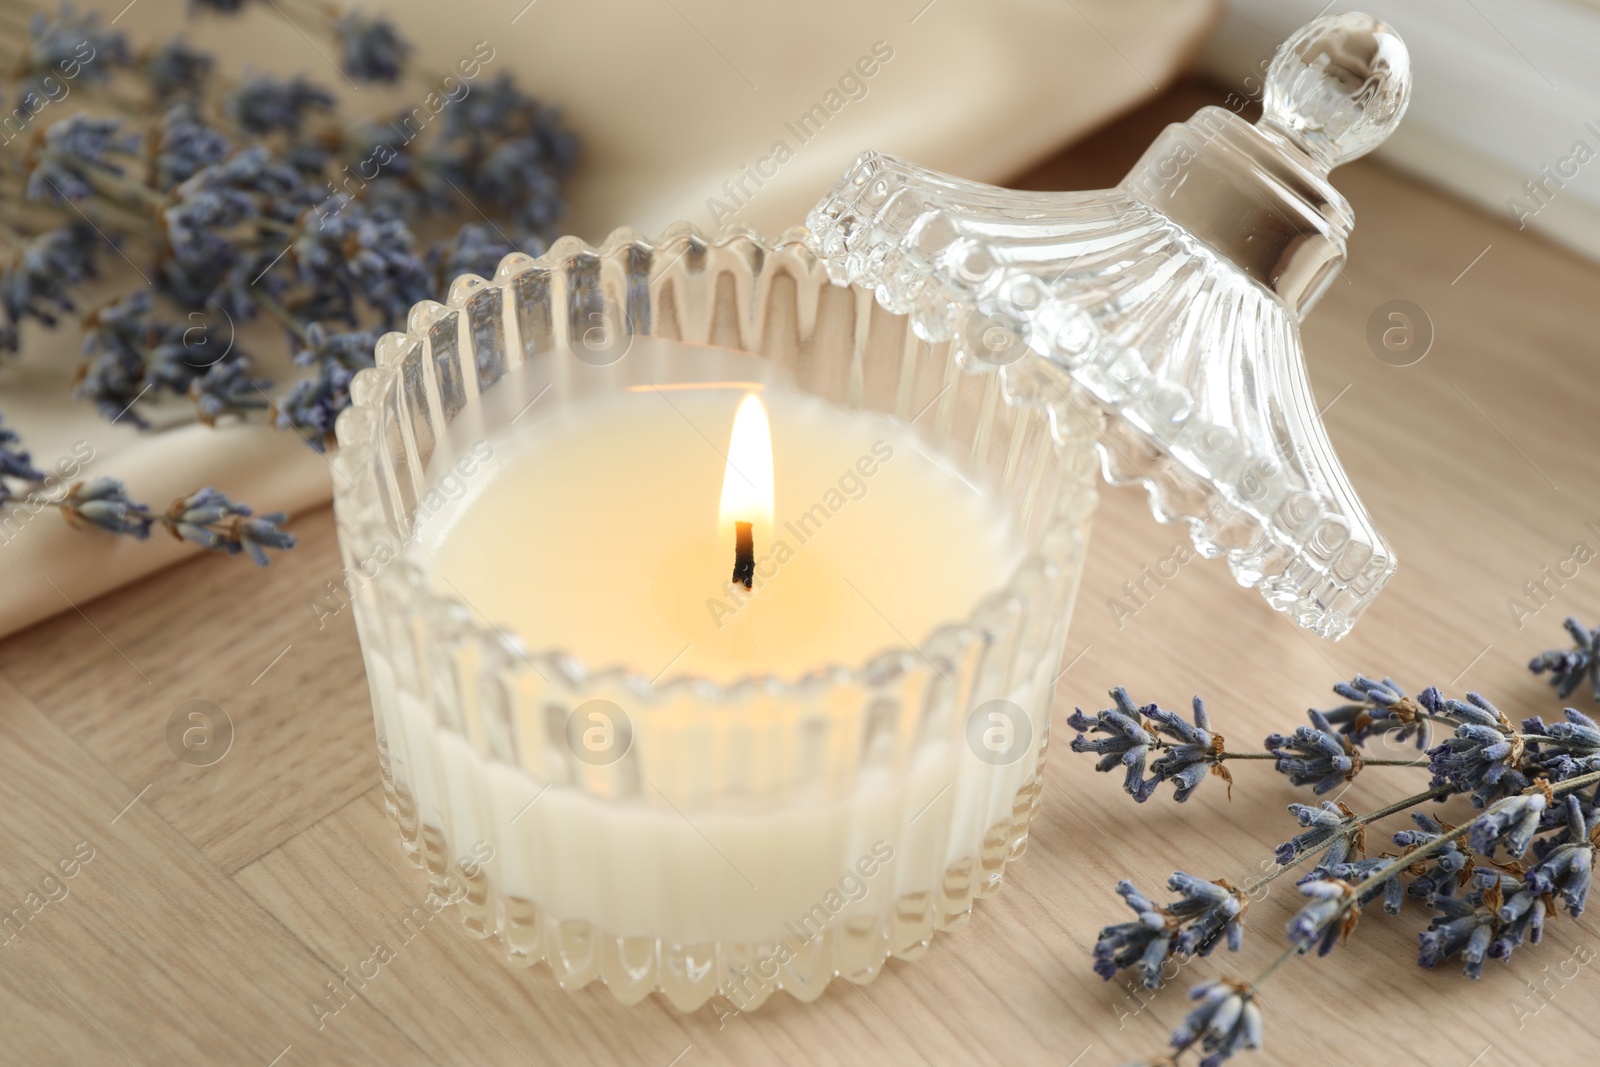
<point>1174,300</point>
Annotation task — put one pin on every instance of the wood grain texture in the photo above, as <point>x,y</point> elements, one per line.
<point>218,904</point>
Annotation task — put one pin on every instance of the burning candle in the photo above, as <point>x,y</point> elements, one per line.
<point>709,669</point>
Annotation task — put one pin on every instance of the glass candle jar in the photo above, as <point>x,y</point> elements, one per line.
<point>736,834</point>
<point>727,837</point>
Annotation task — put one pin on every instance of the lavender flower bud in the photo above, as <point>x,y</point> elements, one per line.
<point>1226,1020</point>
<point>475,249</point>
<point>209,519</point>
<point>37,284</point>
<point>104,502</point>
<point>1212,911</point>
<point>1314,755</point>
<point>1193,756</point>
<point>72,153</point>
<point>1572,746</point>
<point>1512,822</point>
<point>1521,920</point>
<point>1356,872</point>
<point>263,103</point>
<point>184,145</point>
<point>1570,668</point>
<point>373,50</point>
<point>1483,757</point>
<point>1445,864</point>
<point>1466,926</point>
<point>1380,708</point>
<point>15,462</point>
<point>57,43</point>
<point>1203,916</point>
<point>1327,823</point>
<point>507,152</point>
<point>1125,741</point>
<point>1566,863</point>
<point>227,388</point>
<point>347,251</point>
<point>175,69</point>
<point>1145,942</point>
<point>1320,921</point>
<point>313,405</point>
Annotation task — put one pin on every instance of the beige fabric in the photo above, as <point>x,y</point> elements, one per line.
<point>678,102</point>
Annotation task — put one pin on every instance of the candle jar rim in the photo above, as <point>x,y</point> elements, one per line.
<point>365,522</point>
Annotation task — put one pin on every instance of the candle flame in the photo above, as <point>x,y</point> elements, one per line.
<point>747,484</point>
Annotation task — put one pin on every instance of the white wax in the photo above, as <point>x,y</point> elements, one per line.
<point>719,873</point>
<point>596,531</point>
<point>593,528</point>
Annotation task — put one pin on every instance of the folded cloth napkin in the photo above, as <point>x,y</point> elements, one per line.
<point>713,111</point>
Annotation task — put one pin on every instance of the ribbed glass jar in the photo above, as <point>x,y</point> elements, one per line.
<point>753,836</point>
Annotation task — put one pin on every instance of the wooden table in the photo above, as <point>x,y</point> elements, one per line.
<point>219,900</point>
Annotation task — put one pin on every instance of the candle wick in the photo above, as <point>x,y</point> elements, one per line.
<point>744,554</point>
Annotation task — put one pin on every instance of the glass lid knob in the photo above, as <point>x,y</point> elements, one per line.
<point>1338,87</point>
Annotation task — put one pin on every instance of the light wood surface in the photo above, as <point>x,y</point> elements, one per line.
<point>219,899</point>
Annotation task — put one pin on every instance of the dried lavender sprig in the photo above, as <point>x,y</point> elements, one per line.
<point>1339,889</point>
<point>1310,926</point>
<point>1489,923</point>
<point>1126,734</point>
<point>264,104</point>
<point>74,155</point>
<point>207,518</point>
<point>1289,859</point>
<point>1159,934</point>
<point>220,196</point>
<point>68,42</point>
<point>1188,752</point>
<point>1565,748</point>
<point>175,69</point>
<point>38,282</point>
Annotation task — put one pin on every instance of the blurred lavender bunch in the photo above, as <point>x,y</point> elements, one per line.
<point>244,198</point>
<point>1527,845</point>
